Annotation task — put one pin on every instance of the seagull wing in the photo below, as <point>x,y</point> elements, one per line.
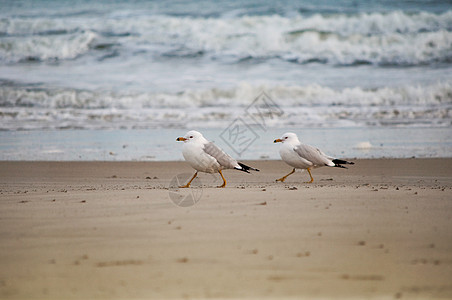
<point>224,159</point>
<point>313,155</point>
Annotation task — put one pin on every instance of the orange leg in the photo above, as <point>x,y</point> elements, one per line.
<point>188,184</point>
<point>224,180</point>
<point>312,179</point>
<point>284,177</point>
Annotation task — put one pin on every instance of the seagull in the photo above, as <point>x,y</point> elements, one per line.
<point>205,156</point>
<point>300,156</point>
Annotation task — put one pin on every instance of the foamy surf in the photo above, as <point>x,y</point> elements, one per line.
<point>389,39</point>
<point>303,106</point>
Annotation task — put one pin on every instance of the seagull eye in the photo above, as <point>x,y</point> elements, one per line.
<point>191,136</point>
<point>285,138</point>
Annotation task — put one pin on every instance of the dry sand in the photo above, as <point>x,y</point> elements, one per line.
<point>106,230</point>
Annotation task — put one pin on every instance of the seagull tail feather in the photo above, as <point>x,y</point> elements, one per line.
<point>245,168</point>
<point>339,163</point>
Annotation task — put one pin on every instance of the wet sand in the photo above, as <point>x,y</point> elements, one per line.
<point>111,230</point>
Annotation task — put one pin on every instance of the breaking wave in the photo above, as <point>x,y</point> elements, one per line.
<point>386,39</point>
<point>312,105</point>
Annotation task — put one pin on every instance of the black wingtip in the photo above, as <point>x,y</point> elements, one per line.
<point>340,166</point>
<point>243,170</point>
<point>246,168</point>
<point>342,162</point>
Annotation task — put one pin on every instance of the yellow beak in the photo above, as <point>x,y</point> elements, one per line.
<point>181,139</point>
<point>277,141</point>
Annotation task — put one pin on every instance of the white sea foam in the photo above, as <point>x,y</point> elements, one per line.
<point>302,105</point>
<point>363,146</point>
<point>394,38</point>
<point>144,70</point>
<point>239,96</point>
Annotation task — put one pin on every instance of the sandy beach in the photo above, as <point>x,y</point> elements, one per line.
<point>111,230</point>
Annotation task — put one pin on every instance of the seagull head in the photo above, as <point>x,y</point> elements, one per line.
<point>192,136</point>
<point>288,137</point>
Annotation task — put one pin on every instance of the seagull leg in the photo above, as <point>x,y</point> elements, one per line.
<point>284,177</point>
<point>224,180</point>
<point>312,179</point>
<point>188,184</point>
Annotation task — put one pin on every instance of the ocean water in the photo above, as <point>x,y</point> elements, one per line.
<point>161,144</point>
<point>93,70</point>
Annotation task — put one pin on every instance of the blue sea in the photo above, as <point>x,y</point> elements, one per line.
<point>121,80</point>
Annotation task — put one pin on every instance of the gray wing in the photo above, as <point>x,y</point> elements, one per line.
<point>312,154</point>
<point>226,161</point>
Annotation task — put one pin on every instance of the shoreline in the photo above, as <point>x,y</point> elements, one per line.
<point>381,229</point>
<point>161,145</point>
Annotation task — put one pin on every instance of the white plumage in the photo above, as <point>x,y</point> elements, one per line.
<point>205,156</point>
<point>301,156</point>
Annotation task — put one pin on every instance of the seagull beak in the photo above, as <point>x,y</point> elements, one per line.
<point>277,141</point>
<point>181,139</point>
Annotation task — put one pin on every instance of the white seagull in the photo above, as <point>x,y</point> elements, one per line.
<point>205,156</point>
<point>300,156</point>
